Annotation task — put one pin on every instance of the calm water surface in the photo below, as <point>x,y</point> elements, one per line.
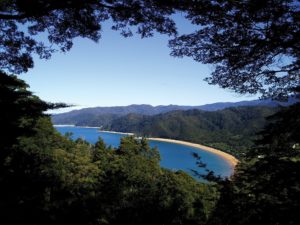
<point>173,156</point>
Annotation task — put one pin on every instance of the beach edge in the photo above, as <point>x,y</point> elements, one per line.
<point>230,159</point>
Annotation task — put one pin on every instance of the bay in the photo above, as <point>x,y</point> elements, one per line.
<point>173,156</point>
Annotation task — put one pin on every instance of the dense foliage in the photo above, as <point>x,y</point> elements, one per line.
<point>253,44</point>
<point>46,178</point>
<point>232,129</point>
<point>21,21</point>
<point>266,186</point>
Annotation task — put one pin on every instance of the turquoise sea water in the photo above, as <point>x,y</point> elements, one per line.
<point>173,156</point>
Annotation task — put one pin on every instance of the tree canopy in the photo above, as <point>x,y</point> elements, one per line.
<point>265,187</point>
<point>61,21</point>
<point>253,44</point>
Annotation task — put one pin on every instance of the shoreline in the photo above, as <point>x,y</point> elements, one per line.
<point>114,132</point>
<point>72,125</point>
<point>232,161</point>
<point>103,131</point>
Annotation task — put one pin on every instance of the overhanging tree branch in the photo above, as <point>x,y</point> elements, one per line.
<point>13,17</point>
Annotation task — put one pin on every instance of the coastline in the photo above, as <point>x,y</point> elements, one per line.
<point>72,125</point>
<point>102,131</point>
<point>114,132</point>
<point>232,161</point>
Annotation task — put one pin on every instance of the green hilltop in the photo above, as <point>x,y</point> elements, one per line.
<point>231,129</point>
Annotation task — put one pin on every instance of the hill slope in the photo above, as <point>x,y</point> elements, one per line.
<point>103,116</point>
<point>231,129</point>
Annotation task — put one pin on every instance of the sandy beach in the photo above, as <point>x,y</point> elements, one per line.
<point>229,158</point>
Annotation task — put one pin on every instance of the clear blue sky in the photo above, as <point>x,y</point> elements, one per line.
<point>124,71</point>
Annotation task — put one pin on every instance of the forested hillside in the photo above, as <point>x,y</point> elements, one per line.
<point>102,116</point>
<point>232,129</point>
<point>85,119</point>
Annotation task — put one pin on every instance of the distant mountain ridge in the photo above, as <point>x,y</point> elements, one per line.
<point>102,116</point>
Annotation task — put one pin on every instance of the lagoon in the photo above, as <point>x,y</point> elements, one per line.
<point>173,156</point>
